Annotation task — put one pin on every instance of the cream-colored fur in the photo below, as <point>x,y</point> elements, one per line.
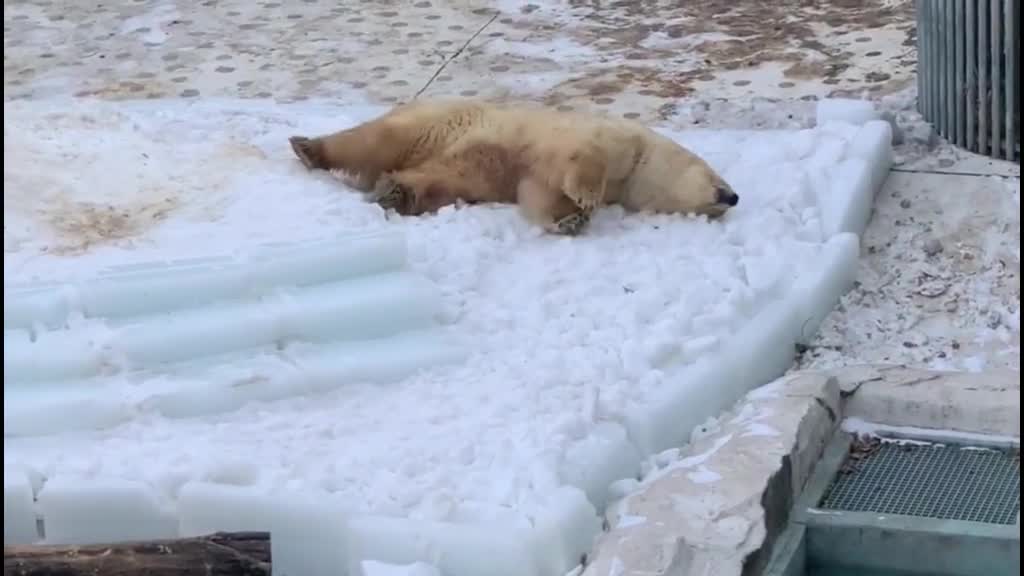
<point>557,166</point>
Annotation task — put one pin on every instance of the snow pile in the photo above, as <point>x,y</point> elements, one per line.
<point>583,355</point>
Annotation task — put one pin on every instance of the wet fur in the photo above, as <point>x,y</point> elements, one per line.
<point>557,166</point>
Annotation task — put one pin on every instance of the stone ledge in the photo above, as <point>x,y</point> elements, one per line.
<point>727,495</point>
<point>976,403</point>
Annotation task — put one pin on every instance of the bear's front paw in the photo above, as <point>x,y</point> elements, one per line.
<point>587,200</point>
<point>391,195</point>
<point>573,224</point>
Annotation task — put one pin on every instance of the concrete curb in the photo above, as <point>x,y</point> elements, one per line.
<point>713,509</point>
<point>976,403</point>
<point>718,505</point>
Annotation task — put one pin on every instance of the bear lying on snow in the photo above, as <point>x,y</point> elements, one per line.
<point>558,166</point>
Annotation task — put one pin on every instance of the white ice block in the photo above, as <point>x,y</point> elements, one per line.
<point>604,456</point>
<point>846,110</point>
<point>47,305</point>
<point>757,353</point>
<point>818,290</point>
<point>309,537</point>
<point>94,511</point>
<point>362,308</point>
<point>846,202</point>
<point>372,568</point>
<point>548,539</point>
<point>62,407</point>
<point>873,143</point>
<point>668,419</point>
<point>455,549</point>
<point>205,508</point>
<point>366,307</point>
<point>563,531</point>
<point>201,387</point>
<point>56,355</point>
<point>304,370</point>
<point>153,287</point>
<point>19,509</point>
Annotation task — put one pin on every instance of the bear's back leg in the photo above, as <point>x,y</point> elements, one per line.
<point>365,151</point>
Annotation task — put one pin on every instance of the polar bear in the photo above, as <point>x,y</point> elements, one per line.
<point>557,166</point>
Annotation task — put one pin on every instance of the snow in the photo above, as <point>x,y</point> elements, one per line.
<point>570,359</point>
<point>371,568</point>
<point>901,433</point>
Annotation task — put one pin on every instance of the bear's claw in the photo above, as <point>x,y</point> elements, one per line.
<point>573,224</point>
<point>586,200</point>
<point>391,195</point>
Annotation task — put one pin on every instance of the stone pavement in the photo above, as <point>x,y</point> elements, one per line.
<point>635,58</point>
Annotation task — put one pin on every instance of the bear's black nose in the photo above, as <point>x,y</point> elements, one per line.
<point>727,197</point>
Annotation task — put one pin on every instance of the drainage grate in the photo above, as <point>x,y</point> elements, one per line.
<point>928,480</point>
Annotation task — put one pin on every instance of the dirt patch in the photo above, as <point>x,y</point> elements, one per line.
<point>667,49</point>
<point>83,225</point>
<point>645,81</point>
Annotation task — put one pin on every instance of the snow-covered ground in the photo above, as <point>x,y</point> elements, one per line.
<point>581,356</point>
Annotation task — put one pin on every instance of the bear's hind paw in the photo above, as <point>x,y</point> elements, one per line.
<point>307,151</point>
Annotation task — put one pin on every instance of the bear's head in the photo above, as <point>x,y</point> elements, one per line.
<point>701,190</point>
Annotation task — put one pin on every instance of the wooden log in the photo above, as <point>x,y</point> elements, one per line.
<point>220,554</point>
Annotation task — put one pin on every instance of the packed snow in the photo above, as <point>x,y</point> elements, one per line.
<point>570,345</point>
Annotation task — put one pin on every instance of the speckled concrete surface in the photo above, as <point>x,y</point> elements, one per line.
<point>637,59</point>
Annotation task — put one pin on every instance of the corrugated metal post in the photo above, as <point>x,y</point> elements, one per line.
<point>984,95</point>
<point>947,69</point>
<point>936,59</point>
<point>920,20</point>
<point>959,110</point>
<point>1011,27</point>
<point>996,38</point>
<point>969,73</point>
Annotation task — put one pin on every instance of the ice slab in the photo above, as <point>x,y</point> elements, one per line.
<point>846,204</point>
<point>193,389</point>
<point>548,541</point>
<point>845,110</point>
<point>596,461</point>
<point>84,511</point>
<point>160,286</point>
<point>310,536</point>
<point>371,568</point>
<point>19,509</point>
<point>205,508</point>
<point>65,408</point>
<point>818,291</point>
<point>363,308</point>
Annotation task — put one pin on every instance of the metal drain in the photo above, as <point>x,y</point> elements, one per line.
<point>929,480</point>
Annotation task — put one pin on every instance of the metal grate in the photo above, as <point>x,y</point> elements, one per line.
<point>931,481</point>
